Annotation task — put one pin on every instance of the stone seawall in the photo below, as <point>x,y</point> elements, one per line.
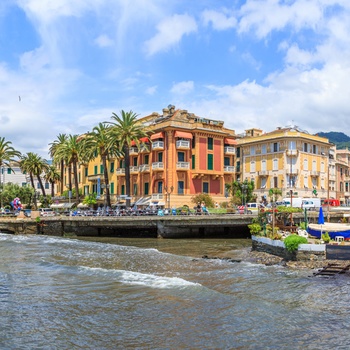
<point>305,251</point>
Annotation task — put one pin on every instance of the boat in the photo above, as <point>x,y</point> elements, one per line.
<point>333,229</point>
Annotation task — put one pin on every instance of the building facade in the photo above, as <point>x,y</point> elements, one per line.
<point>297,163</point>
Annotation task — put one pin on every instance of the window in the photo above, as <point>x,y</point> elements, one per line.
<point>252,150</point>
<point>145,188</point>
<point>210,162</point>
<point>86,171</point>
<point>205,187</point>
<point>252,167</point>
<point>306,164</point>
<point>146,159</point>
<point>263,149</point>
<point>238,166</point>
<point>122,163</point>
<point>86,190</point>
<point>292,145</point>
<point>305,147</point>
<point>314,165</point>
<point>275,147</point>
<point>95,170</point>
<point>193,161</point>
<point>314,149</point>
<point>275,182</point>
<point>226,161</point>
<point>9,171</point>
<point>305,182</point>
<point>111,188</point>
<point>160,156</point>
<point>322,167</point>
<point>111,168</point>
<point>180,187</point>
<point>193,142</point>
<point>24,184</point>
<point>135,189</point>
<point>210,143</point>
<point>275,164</point>
<point>238,152</point>
<point>134,161</point>
<point>180,156</point>
<point>123,189</point>
<point>102,169</point>
<point>160,186</point>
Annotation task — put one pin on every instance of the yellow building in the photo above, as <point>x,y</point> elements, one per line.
<point>288,159</point>
<point>183,156</point>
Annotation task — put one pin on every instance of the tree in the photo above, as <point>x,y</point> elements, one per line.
<point>52,176</point>
<point>61,139</point>
<point>72,150</point>
<point>125,129</point>
<point>274,193</point>
<point>99,142</point>
<point>7,155</point>
<point>241,192</point>
<point>35,166</point>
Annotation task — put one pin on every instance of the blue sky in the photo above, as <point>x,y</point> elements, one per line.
<point>67,65</point>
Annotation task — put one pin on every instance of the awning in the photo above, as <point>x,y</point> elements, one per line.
<point>230,142</point>
<point>144,139</point>
<point>183,134</point>
<point>133,143</point>
<point>62,205</point>
<point>158,135</point>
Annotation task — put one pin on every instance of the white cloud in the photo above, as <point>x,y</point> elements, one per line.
<point>151,90</point>
<point>170,32</point>
<point>182,88</point>
<point>104,41</point>
<point>219,20</point>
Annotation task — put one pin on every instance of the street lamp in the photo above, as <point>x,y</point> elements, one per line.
<point>244,191</point>
<point>103,186</point>
<point>168,193</point>
<point>291,206</point>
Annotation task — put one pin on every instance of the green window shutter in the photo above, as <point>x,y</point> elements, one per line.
<point>111,188</point>
<point>210,143</point>
<point>111,167</point>
<point>193,161</point>
<point>123,189</point>
<point>101,169</point>
<point>146,188</point>
<point>95,170</point>
<point>210,162</point>
<point>86,171</point>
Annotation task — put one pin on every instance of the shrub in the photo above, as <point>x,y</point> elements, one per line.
<point>325,237</point>
<point>203,197</point>
<point>255,229</point>
<point>292,242</point>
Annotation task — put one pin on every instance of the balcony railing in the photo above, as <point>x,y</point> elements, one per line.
<point>157,196</point>
<point>229,169</point>
<point>229,150</point>
<point>183,144</point>
<point>158,166</point>
<point>144,168</point>
<point>292,152</point>
<point>183,165</point>
<point>158,145</point>
<point>144,148</point>
<point>133,150</point>
<point>263,173</point>
<point>120,171</point>
<point>315,173</point>
<point>134,169</point>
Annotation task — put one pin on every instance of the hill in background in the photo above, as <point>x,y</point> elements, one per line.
<point>338,138</point>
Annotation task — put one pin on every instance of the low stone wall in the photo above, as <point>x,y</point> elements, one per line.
<point>275,247</point>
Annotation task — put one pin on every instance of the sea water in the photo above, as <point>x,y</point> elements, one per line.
<point>113,293</point>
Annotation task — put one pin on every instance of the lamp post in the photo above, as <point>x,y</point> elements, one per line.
<point>168,192</point>
<point>291,206</point>
<point>244,191</point>
<point>105,187</point>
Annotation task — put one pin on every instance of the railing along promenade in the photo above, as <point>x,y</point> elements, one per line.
<point>178,226</point>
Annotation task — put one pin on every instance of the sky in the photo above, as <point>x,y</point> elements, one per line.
<point>66,66</point>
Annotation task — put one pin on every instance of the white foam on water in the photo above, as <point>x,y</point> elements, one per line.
<point>137,278</point>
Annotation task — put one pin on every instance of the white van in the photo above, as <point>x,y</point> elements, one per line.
<point>46,212</point>
<point>311,203</point>
<point>254,207</point>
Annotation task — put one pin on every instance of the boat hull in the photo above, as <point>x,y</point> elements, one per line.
<point>333,230</point>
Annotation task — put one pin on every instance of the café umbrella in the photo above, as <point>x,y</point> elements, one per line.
<point>320,220</point>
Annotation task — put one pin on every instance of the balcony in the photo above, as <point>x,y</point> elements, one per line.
<point>133,150</point>
<point>157,166</point>
<point>263,173</point>
<point>144,168</point>
<point>183,144</point>
<point>292,152</point>
<point>144,148</point>
<point>229,169</point>
<point>315,173</point>
<point>157,196</point>
<point>120,171</point>
<point>95,177</point>
<point>158,145</point>
<point>182,165</point>
<point>134,169</point>
<point>292,172</point>
<point>229,150</point>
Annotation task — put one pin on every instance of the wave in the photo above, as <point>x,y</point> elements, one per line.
<point>137,278</point>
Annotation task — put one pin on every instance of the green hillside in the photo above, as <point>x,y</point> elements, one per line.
<point>338,138</point>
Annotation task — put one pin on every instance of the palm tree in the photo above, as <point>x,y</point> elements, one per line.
<point>72,151</point>
<point>7,155</point>
<point>34,165</point>
<point>61,139</point>
<point>125,129</point>
<point>99,142</point>
<point>52,176</point>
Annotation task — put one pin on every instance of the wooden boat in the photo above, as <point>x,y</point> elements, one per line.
<point>333,229</point>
